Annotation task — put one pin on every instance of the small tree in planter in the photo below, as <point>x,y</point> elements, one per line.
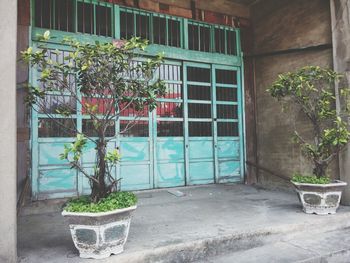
<point>108,80</point>
<point>310,90</point>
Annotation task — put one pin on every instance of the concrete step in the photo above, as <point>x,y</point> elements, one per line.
<point>205,222</point>
<point>329,246</point>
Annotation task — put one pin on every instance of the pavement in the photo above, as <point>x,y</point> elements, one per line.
<point>207,224</point>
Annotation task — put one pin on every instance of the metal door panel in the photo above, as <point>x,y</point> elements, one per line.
<point>228,149</point>
<point>201,172</point>
<point>135,176</point>
<point>49,153</point>
<point>60,180</point>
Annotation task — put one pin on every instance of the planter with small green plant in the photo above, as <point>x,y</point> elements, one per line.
<point>104,80</point>
<point>311,91</point>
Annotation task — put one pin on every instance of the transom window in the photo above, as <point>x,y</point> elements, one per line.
<point>109,20</point>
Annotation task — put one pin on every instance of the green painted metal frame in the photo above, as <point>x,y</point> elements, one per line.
<point>181,56</point>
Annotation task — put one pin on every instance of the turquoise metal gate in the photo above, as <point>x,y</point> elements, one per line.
<point>196,134</point>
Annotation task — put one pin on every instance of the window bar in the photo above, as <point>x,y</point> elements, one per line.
<point>97,25</point>
<point>83,22</point>
<point>50,12</point>
<point>225,35</point>
<point>59,17</point>
<point>93,18</point>
<point>67,11</point>
<point>135,23</point>
<point>41,13</point>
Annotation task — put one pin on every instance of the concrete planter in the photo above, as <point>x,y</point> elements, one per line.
<point>98,235</point>
<point>320,199</point>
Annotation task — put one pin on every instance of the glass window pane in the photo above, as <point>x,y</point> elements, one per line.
<point>199,110</point>
<point>126,25</point>
<point>170,72</point>
<point>227,112</point>
<point>227,129</point>
<point>57,128</point>
<point>64,15</point>
<point>102,105</point>
<point>57,104</point>
<point>231,43</point>
<point>159,30</point>
<point>219,40</point>
<point>103,21</point>
<point>199,92</point>
<point>142,26</point>
<point>198,74</point>
<point>199,129</point>
<point>174,35</point>
<point>204,39</point>
<point>89,130</point>
<point>43,13</point>
<point>173,91</point>
<point>133,128</point>
<point>226,76</point>
<point>226,94</point>
<point>169,128</point>
<point>170,109</point>
<point>193,37</point>
<point>85,18</point>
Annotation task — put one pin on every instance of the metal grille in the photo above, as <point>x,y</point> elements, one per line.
<point>169,128</point>
<point>227,111</point>
<point>199,92</point>
<point>134,128</point>
<point>159,27</point>
<point>196,110</point>
<point>89,130</point>
<point>226,94</point>
<point>103,21</point>
<point>226,76</point>
<point>199,129</point>
<point>198,74</point>
<point>227,129</point>
<point>54,14</point>
<point>53,104</point>
<point>56,128</point>
<point>199,37</point>
<point>170,109</point>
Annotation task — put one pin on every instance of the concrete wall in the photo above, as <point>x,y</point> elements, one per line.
<point>340,13</point>
<point>282,29</point>
<point>23,164</point>
<point>8,14</point>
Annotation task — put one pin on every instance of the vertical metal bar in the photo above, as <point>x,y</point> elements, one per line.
<point>34,140</point>
<point>75,16</point>
<point>116,22</point>
<point>50,12</point>
<point>135,23</point>
<point>185,33</point>
<point>225,35</point>
<point>185,124</point>
<point>241,115</point>
<point>166,31</point>
<point>67,15</point>
<point>93,19</point>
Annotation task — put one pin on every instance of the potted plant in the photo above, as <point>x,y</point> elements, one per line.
<point>310,90</point>
<point>104,80</point>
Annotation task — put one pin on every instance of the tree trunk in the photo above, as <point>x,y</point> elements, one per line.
<point>99,190</point>
<point>320,169</point>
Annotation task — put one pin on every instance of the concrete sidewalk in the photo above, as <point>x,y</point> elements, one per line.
<point>206,222</point>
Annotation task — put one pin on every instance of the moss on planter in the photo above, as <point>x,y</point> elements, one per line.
<point>116,200</point>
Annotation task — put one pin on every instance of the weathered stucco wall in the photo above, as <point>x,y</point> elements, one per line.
<point>287,35</point>
<point>340,13</point>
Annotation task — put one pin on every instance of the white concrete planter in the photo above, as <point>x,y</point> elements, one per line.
<point>320,199</point>
<point>98,235</point>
